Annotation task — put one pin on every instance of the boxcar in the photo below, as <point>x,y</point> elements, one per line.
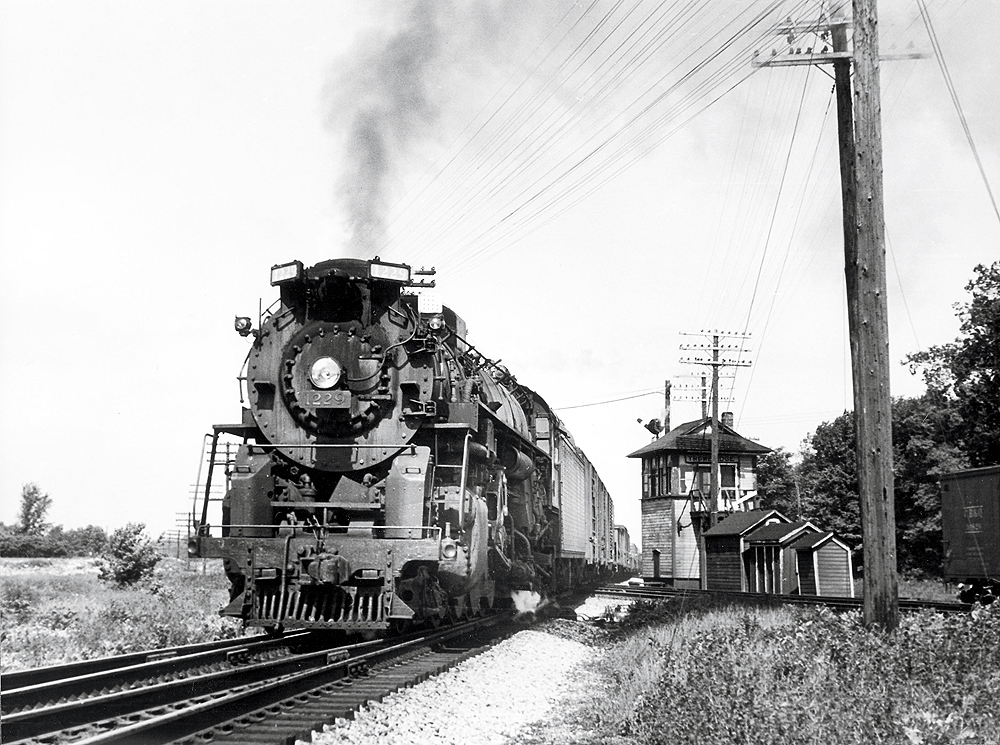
<point>970,524</point>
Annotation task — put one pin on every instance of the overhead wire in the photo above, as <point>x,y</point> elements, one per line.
<point>762,335</point>
<point>597,184</point>
<point>529,194</point>
<point>534,214</point>
<point>939,55</point>
<point>658,392</point>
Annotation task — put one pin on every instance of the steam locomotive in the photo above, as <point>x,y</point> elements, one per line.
<point>385,472</point>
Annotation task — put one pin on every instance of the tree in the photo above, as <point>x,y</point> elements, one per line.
<point>34,506</point>
<point>926,444</point>
<point>776,483</point>
<point>130,557</point>
<point>968,370</point>
<point>829,479</point>
<point>88,541</point>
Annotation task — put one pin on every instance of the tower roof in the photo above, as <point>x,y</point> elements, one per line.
<point>696,436</point>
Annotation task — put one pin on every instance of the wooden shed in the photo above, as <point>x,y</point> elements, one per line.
<point>726,544</point>
<point>770,561</point>
<point>824,565</point>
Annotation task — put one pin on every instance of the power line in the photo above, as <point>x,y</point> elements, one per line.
<point>954,98</point>
<point>610,401</point>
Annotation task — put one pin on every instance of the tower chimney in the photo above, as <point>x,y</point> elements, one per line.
<point>727,419</point>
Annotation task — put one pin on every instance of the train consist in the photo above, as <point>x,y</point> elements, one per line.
<point>387,473</point>
<point>970,524</point>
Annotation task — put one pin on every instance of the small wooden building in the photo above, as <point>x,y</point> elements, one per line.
<point>824,565</point>
<point>769,560</point>
<point>726,548</point>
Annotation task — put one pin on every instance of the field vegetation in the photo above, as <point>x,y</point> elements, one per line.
<point>56,610</point>
<point>695,673</point>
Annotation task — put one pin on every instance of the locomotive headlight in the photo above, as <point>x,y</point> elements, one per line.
<point>243,325</point>
<point>325,372</point>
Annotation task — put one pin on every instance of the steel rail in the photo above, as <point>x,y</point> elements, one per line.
<point>37,675</point>
<point>166,711</point>
<point>156,668</point>
<point>62,705</point>
<point>658,592</point>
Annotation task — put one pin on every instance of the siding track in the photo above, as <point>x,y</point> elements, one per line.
<point>662,592</point>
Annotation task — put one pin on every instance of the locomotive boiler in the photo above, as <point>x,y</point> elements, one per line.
<point>386,473</point>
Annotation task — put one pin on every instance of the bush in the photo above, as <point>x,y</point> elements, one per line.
<point>17,599</point>
<point>130,557</point>
<point>20,545</point>
<point>57,543</point>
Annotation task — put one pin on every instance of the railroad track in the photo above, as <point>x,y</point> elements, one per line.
<point>252,697</point>
<point>661,592</point>
<point>109,667</point>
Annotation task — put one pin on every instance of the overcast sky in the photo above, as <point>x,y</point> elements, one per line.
<point>157,158</point>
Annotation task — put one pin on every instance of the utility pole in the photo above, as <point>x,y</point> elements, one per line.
<point>869,328</point>
<point>860,137</point>
<point>717,360</point>
<point>666,405</point>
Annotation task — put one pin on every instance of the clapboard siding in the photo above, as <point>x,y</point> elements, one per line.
<point>725,564</point>
<point>658,535</point>
<point>831,561</point>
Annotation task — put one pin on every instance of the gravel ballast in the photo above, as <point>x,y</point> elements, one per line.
<point>539,675</point>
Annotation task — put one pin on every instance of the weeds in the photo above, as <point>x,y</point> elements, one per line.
<point>53,618</point>
<point>800,675</point>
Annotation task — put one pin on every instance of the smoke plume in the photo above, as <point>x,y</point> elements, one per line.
<point>382,101</point>
<point>402,84</point>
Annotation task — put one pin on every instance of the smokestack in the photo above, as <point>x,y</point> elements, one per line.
<point>727,419</point>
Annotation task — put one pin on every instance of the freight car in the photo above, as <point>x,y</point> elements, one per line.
<point>970,524</point>
<point>385,472</point>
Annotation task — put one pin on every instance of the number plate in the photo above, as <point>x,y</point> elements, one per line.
<point>327,399</point>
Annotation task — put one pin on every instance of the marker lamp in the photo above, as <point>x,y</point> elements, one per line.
<point>392,272</point>
<point>281,273</point>
<point>449,550</point>
<point>325,373</point>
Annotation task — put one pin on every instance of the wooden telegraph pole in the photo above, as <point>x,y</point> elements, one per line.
<point>868,318</point>
<point>860,135</point>
<point>717,360</point>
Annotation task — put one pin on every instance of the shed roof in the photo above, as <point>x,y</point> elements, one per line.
<point>816,540</point>
<point>696,436</point>
<point>740,523</point>
<point>781,532</point>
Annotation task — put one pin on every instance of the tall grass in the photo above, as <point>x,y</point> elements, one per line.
<point>48,618</point>
<point>802,675</point>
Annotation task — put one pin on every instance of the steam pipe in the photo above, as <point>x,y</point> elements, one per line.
<point>465,476</point>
